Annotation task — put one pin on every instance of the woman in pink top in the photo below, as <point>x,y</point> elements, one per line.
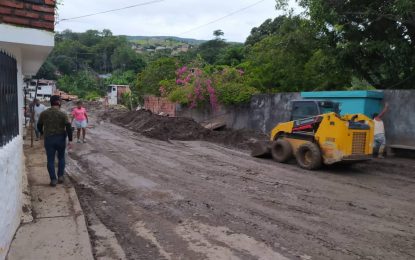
<point>81,120</point>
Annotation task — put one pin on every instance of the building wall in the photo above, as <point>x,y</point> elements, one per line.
<point>26,33</point>
<point>356,101</point>
<point>11,165</point>
<point>11,170</point>
<point>400,119</point>
<point>160,105</point>
<point>28,13</point>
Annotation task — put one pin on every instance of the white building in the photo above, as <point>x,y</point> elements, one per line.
<point>45,89</point>
<point>26,39</point>
<point>115,93</point>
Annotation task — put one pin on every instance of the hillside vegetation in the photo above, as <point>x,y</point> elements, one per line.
<point>162,39</point>
<point>331,46</point>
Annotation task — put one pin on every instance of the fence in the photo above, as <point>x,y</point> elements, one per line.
<point>9,115</point>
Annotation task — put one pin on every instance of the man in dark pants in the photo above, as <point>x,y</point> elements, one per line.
<point>55,126</point>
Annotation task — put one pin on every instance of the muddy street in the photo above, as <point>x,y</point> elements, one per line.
<point>199,200</point>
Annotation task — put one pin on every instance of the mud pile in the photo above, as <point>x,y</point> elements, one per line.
<point>179,128</point>
<point>160,127</point>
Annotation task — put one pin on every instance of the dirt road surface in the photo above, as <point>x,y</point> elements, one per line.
<point>199,200</point>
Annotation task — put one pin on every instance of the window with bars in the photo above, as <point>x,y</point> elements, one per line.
<point>9,111</point>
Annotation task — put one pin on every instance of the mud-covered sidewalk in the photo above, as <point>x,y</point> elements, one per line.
<point>200,200</point>
<point>54,224</point>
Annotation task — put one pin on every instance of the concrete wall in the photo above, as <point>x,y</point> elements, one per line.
<point>262,113</point>
<point>11,170</point>
<point>265,111</point>
<point>400,119</point>
<point>236,117</point>
<point>269,110</point>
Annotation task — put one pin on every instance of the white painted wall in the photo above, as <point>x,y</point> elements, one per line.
<point>43,90</point>
<point>11,169</point>
<point>11,165</point>
<point>30,48</point>
<point>112,95</point>
<point>35,45</point>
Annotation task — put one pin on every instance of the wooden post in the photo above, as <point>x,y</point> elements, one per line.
<point>131,101</point>
<point>25,104</point>
<point>32,116</point>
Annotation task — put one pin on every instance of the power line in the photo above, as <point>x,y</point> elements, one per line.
<point>112,10</point>
<point>223,17</point>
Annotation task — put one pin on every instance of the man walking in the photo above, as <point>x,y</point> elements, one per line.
<point>55,126</point>
<point>81,121</point>
<point>38,108</point>
<point>380,139</point>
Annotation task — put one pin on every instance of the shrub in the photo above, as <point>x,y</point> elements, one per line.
<point>235,93</point>
<point>181,95</point>
<point>92,96</point>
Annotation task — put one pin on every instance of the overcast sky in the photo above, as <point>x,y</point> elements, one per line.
<point>168,18</point>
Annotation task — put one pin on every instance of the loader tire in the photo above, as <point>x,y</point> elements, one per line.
<point>281,151</point>
<point>308,156</point>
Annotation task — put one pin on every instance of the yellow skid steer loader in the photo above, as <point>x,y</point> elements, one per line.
<point>324,138</point>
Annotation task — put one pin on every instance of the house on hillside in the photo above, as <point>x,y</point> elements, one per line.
<point>104,76</point>
<point>181,48</point>
<point>140,50</point>
<point>45,89</point>
<point>26,39</point>
<point>115,93</point>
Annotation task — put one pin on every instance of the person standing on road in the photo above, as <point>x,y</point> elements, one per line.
<point>380,139</point>
<point>38,108</point>
<point>55,126</point>
<point>81,121</point>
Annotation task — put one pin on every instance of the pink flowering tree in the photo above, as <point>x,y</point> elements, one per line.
<point>212,85</point>
<point>194,87</point>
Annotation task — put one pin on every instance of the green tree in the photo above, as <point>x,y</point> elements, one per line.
<point>124,58</point>
<point>68,56</point>
<point>122,78</point>
<point>231,87</point>
<point>232,55</point>
<point>104,49</point>
<point>148,81</point>
<point>374,38</point>
<point>294,58</point>
<point>267,28</point>
<point>84,83</point>
<point>65,64</point>
<point>90,37</point>
<point>93,50</point>
<point>47,71</point>
<point>218,34</point>
<point>211,50</point>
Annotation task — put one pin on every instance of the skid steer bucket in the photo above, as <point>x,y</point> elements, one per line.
<point>261,149</point>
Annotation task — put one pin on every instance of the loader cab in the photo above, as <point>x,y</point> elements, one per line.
<point>309,108</point>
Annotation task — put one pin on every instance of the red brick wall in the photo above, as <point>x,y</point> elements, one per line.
<point>158,105</point>
<point>28,14</point>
